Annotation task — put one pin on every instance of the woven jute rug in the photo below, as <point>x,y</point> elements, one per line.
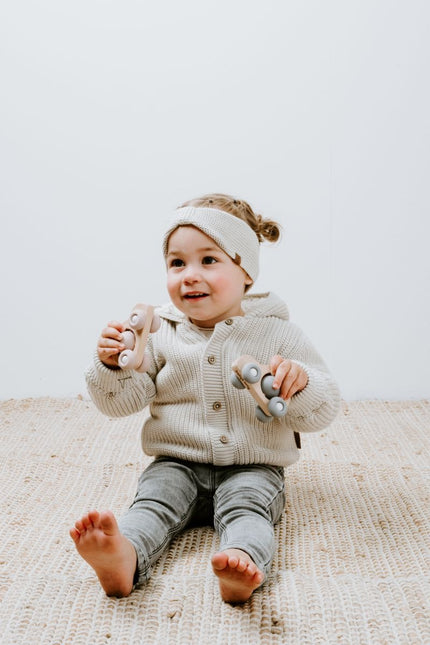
<point>352,566</point>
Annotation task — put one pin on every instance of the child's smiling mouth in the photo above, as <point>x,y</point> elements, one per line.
<point>195,295</point>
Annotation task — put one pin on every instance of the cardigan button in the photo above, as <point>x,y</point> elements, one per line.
<point>217,405</point>
<point>229,321</point>
<point>211,359</point>
<point>223,439</point>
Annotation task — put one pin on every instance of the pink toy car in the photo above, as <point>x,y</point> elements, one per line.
<point>141,323</point>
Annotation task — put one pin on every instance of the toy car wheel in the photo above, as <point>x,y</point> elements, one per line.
<point>125,359</point>
<point>277,406</point>
<point>235,380</point>
<point>137,320</point>
<point>267,386</point>
<point>261,416</point>
<point>155,324</point>
<point>251,372</point>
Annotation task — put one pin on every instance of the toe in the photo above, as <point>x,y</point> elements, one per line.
<point>86,522</point>
<point>233,562</point>
<point>94,517</point>
<point>108,523</point>
<point>74,534</point>
<point>219,561</point>
<point>258,577</point>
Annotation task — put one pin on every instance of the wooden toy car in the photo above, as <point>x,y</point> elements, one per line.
<point>258,380</point>
<point>141,323</point>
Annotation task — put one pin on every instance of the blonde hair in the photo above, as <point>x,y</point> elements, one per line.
<point>265,229</point>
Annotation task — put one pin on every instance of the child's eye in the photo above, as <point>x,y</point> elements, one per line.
<point>208,259</point>
<point>176,262</point>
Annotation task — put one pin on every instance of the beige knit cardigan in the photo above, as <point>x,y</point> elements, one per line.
<point>195,412</point>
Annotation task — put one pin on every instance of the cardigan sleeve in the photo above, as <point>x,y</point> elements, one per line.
<point>116,392</point>
<point>317,405</point>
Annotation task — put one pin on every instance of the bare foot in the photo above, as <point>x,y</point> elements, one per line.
<point>113,557</point>
<point>238,574</point>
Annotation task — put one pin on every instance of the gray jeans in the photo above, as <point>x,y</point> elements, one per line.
<point>242,503</point>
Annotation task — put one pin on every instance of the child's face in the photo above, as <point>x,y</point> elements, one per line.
<point>202,280</point>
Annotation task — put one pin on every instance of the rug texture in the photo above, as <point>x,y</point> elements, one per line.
<point>353,561</point>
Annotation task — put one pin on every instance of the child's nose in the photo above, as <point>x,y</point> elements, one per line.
<point>192,274</point>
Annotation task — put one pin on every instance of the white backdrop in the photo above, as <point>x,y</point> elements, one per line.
<point>317,113</point>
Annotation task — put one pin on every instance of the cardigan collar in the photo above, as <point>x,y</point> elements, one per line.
<point>255,304</point>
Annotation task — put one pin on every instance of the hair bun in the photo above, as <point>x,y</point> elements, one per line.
<point>267,229</point>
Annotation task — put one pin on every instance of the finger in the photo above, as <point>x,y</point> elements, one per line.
<point>296,381</point>
<point>115,324</point>
<point>110,343</point>
<point>275,362</point>
<point>288,383</point>
<point>290,387</point>
<point>282,370</point>
<point>106,353</point>
<point>111,331</point>
<point>107,358</point>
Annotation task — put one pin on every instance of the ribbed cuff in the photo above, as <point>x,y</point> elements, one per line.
<point>316,406</point>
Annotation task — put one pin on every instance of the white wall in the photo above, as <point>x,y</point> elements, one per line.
<point>113,113</point>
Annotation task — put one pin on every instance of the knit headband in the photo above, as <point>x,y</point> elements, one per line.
<point>233,235</point>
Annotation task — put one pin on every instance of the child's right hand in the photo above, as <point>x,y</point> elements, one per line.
<point>110,344</point>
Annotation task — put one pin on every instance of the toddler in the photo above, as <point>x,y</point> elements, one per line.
<point>214,460</point>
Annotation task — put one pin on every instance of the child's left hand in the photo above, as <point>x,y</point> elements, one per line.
<point>289,376</point>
